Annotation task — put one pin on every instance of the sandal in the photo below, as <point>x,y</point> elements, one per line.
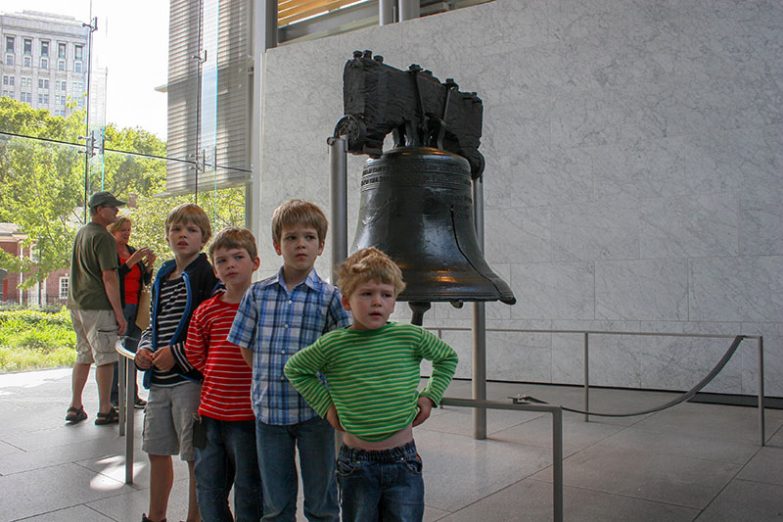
<point>111,417</point>
<point>75,415</point>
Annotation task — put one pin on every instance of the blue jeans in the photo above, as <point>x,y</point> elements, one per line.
<point>381,485</point>
<point>276,445</point>
<point>229,457</point>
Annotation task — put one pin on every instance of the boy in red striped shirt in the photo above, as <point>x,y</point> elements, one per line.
<point>225,439</point>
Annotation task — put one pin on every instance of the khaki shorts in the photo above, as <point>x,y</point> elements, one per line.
<point>96,334</point>
<point>168,420</point>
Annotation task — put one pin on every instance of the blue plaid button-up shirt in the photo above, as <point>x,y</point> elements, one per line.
<point>275,324</point>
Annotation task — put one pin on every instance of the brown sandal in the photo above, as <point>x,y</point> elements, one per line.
<point>75,415</point>
<point>111,417</point>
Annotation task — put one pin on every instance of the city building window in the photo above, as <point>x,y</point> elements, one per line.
<point>27,61</point>
<point>62,85</point>
<point>77,67</point>
<point>78,52</point>
<point>8,93</point>
<point>9,80</point>
<point>44,62</point>
<point>28,46</point>
<point>61,50</point>
<point>26,97</point>
<point>9,59</point>
<point>26,82</point>
<point>44,48</point>
<point>64,287</point>
<point>9,44</point>
<point>43,99</point>
<point>60,65</point>
<point>43,84</point>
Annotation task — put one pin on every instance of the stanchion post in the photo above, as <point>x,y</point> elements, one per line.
<point>762,427</point>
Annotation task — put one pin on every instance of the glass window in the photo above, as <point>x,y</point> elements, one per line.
<point>44,48</point>
<point>44,62</point>
<point>43,83</point>
<point>9,44</point>
<point>9,59</point>
<point>28,46</point>
<point>61,50</point>
<point>60,65</point>
<point>78,52</point>
<point>64,281</point>
<point>77,66</point>
<point>28,61</point>
<point>43,99</point>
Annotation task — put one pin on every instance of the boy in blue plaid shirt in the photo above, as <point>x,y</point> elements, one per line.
<point>278,317</point>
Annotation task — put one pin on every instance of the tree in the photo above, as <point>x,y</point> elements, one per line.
<point>42,185</point>
<point>40,182</point>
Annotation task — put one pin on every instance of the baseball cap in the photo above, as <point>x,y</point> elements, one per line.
<point>106,199</point>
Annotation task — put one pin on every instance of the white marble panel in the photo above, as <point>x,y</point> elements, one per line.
<point>655,289</point>
<point>568,352</point>
<point>584,117</point>
<point>764,286</point>
<point>683,226</point>
<point>717,289</point>
<point>773,359</point>
<point>605,229</point>
<point>679,363</point>
<point>723,161</point>
<point>520,235</point>
<point>553,290</point>
<point>761,223</point>
<point>547,176</point>
<point>519,125</point>
<point>644,168</point>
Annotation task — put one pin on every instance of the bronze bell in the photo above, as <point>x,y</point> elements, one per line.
<point>417,206</point>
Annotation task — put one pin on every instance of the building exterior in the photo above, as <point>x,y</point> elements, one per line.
<point>52,292</point>
<point>43,60</point>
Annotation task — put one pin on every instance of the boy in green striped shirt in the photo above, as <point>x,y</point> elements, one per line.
<point>372,396</point>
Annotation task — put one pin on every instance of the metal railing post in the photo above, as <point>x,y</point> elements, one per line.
<point>130,401</point>
<point>122,383</point>
<point>762,428</point>
<point>587,376</point>
<point>557,463</point>
<point>557,438</point>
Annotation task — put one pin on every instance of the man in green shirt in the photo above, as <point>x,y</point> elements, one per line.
<point>96,310</point>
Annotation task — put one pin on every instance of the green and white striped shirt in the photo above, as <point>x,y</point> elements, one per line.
<point>373,376</point>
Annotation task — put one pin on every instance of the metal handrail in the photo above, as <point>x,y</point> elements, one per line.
<point>586,334</point>
<point>557,438</point>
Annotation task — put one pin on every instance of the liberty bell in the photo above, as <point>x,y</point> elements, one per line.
<point>416,198</point>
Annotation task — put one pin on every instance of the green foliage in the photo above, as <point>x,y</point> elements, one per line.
<point>32,339</point>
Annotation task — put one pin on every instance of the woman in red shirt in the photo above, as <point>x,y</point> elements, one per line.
<point>135,271</point>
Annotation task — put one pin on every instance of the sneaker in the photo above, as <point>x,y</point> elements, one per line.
<point>139,403</point>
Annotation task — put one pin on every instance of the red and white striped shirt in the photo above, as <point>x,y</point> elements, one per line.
<point>225,392</point>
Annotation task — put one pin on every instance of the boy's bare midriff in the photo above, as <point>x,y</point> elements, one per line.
<point>400,438</point>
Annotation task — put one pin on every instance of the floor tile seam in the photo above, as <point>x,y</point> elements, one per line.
<point>493,493</point>
<point>733,443</point>
<point>756,481</point>
<point>616,494</point>
<point>725,486</point>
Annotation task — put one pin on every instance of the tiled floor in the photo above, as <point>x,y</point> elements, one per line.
<point>692,462</point>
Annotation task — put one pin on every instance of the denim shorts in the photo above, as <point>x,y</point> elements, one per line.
<point>168,420</point>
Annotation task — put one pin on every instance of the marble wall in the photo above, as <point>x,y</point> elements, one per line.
<point>634,176</point>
